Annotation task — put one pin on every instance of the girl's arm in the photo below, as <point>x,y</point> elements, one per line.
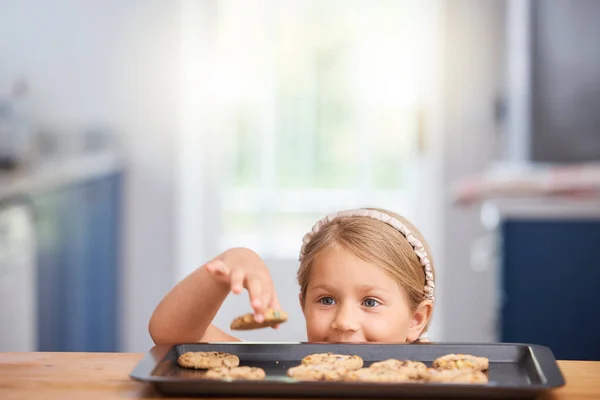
<point>186,313</point>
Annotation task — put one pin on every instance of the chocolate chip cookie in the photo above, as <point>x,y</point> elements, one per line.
<point>208,360</point>
<point>348,362</point>
<point>414,369</point>
<point>247,322</point>
<point>461,361</point>
<point>248,373</point>
<point>317,372</point>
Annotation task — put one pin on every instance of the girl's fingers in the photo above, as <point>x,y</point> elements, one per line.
<point>254,286</point>
<point>236,280</point>
<point>266,296</point>
<point>275,306</point>
<point>274,301</point>
<point>210,267</point>
<point>260,287</point>
<point>218,267</point>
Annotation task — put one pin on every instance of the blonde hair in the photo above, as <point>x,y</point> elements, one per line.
<point>376,242</point>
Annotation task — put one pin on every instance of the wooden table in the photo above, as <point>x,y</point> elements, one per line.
<point>91,376</point>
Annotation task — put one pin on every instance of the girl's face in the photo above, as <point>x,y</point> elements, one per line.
<point>351,300</point>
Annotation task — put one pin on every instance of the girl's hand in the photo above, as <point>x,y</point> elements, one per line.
<point>242,268</point>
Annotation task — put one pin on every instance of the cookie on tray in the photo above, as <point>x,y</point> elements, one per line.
<point>208,360</point>
<point>461,361</point>
<point>247,322</point>
<point>414,369</point>
<point>317,372</point>
<point>248,373</point>
<point>469,376</point>
<point>341,360</point>
<point>380,375</point>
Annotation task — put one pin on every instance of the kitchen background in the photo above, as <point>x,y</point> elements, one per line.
<point>140,138</point>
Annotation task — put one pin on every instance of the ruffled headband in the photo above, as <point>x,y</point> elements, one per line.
<point>429,288</point>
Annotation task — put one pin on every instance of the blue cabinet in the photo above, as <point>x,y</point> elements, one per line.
<point>550,277</point>
<point>78,239</point>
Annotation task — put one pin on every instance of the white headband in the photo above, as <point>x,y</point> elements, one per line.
<point>418,247</point>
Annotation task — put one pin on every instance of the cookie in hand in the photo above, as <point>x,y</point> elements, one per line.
<point>247,321</point>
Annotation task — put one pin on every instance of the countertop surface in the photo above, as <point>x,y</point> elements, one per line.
<point>106,376</point>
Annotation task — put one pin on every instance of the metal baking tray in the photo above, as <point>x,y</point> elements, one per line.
<point>516,370</point>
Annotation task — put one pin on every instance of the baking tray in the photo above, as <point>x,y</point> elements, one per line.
<point>516,370</point>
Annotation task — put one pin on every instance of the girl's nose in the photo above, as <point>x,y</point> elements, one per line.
<point>346,319</point>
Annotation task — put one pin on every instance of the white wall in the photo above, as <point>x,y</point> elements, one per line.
<point>148,71</point>
<point>473,77</point>
<point>111,62</point>
<point>65,50</point>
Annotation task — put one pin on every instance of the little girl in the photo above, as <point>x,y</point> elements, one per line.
<point>365,276</point>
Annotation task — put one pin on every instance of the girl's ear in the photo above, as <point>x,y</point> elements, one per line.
<point>419,321</point>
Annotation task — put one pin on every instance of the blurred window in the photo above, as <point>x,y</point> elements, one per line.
<point>318,110</point>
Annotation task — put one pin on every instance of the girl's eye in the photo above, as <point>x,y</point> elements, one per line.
<point>370,303</point>
<point>327,301</point>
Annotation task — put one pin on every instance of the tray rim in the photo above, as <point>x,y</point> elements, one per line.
<point>542,355</point>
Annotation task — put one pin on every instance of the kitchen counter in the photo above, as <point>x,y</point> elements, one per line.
<point>91,376</point>
<point>60,172</point>
<point>61,237</point>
